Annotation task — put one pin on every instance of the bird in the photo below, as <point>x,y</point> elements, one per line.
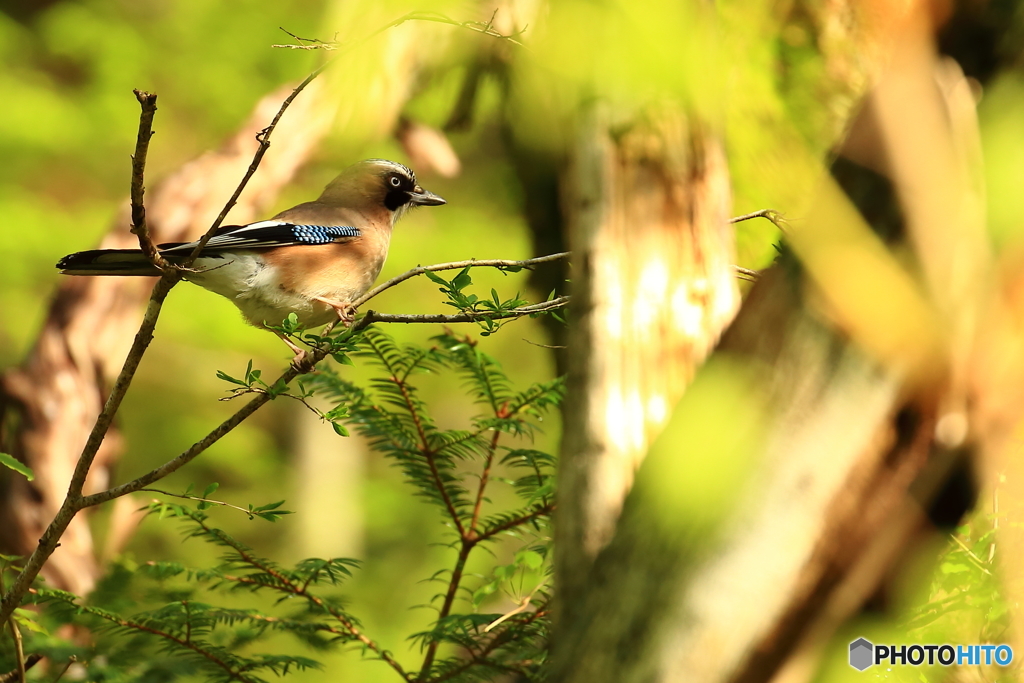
<point>312,260</point>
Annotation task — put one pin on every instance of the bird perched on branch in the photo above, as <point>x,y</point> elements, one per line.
<point>312,260</point>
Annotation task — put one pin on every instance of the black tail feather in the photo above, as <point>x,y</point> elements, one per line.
<point>107,262</point>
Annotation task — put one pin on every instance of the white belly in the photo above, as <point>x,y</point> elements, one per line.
<point>244,279</point>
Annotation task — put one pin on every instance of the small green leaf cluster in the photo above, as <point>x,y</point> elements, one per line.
<point>251,382</point>
<point>339,343</point>
<point>485,311</point>
<point>270,512</point>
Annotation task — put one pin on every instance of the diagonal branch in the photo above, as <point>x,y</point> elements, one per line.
<point>263,137</point>
<point>456,265</point>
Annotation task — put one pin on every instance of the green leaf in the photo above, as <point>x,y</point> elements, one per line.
<point>228,378</point>
<point>339,429</point>
<point>27,619</point>
<point>505,572</point>
<point>337,412</point>
<point>433,277</point>
<point>463,279</point>
<point>529,559</point>
<point>13,463</point>
<point>210,489</point>
<point>280,386</point>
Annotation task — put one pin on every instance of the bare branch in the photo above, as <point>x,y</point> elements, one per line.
<point>455,265</point>
<point>747,274</point>
<point>263,138</point>
<point>138,188</point>
<point>197,448</point>
<point>774,216</point>
<point>486,28</point>
<point>17,675</point>
<point>468,317</point>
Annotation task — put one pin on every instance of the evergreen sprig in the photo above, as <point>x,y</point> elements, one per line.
<point>452,469</point>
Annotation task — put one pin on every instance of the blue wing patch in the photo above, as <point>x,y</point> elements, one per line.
<point>322,234</point>
<point>267,234</point>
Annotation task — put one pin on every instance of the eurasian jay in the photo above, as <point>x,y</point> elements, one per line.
<point>312,260</point>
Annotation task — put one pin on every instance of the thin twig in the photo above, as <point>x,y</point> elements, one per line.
<point>18,675</point>
<point>774,216</point>
<point>539,511</point>
<point>19,651</point>
<point>138,189</point>
<point>429,455</point>
<point>317,43</point>
<point>484,477</point>
<point>455,265</point>
<point>477,26</point>
<point>211,501</point>
<point>71,660</point>
<point>449,599</point>
<point>747,274</point>
<point>521,607</point>
<point>977,561</point>
<point>372,316</point>
<point>544,346</point>
<point>263,138</point>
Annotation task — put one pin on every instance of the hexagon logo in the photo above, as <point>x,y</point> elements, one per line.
<point>861,654</point>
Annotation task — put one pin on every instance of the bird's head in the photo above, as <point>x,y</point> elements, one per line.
<point>376,184</point>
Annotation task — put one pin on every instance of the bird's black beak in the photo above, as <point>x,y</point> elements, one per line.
<point>421,197</point>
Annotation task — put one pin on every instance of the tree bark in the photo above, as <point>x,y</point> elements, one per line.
<point>653,286</point>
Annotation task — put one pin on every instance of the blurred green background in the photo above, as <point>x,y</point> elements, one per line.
<point>66,132</point>
<point>67,126</point>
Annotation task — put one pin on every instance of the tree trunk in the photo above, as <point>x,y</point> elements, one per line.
<point>653,286</point>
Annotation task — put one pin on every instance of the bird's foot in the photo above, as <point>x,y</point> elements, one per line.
<point>346,314</point>
<point>346,311</point>
<point>301,355</point>
<point>302,361</point>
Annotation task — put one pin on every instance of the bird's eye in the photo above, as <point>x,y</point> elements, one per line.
<point>396,181</point>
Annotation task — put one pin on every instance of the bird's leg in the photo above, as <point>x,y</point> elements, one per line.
<point>300,353</point>
<point>346,313</point>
